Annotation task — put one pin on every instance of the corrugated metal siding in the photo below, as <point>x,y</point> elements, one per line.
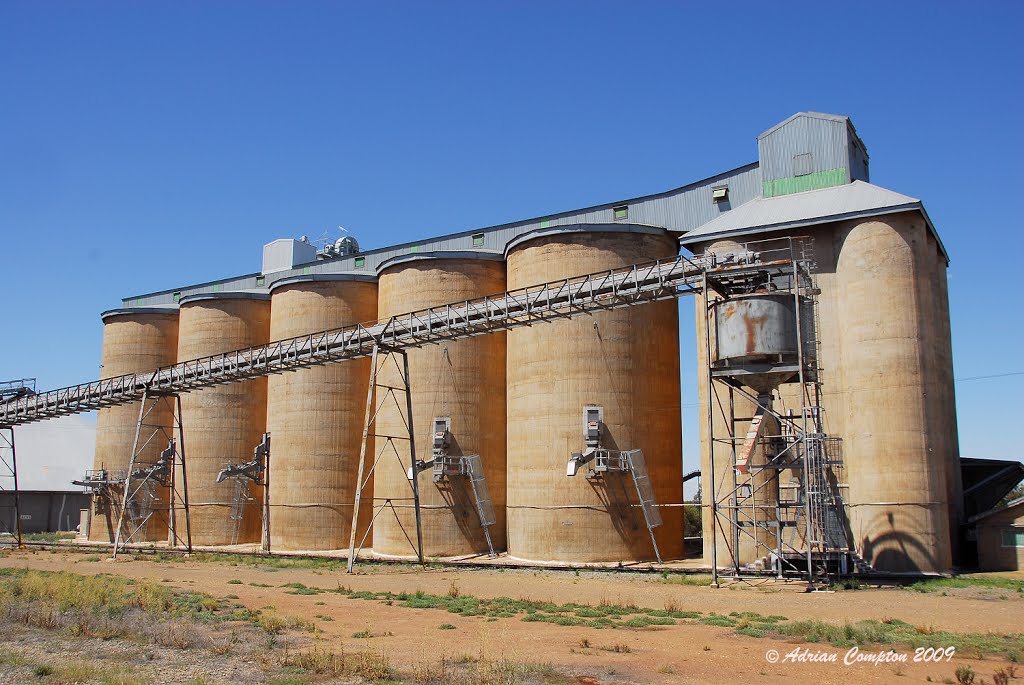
<point>682,209</point>
<point>858,160</point>
<point>826,140</point>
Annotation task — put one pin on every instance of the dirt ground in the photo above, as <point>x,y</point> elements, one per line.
<point>684,653</point>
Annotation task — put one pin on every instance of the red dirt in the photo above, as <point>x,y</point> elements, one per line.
<point>665,654</point>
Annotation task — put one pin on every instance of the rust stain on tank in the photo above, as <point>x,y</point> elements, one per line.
<point>752,323</point>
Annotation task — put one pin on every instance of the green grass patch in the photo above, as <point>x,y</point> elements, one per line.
<point>48,537</point>
<point>749,623</point>
<point>693,579</point>
<point>968,581</point>
<point>893,631</point>
<point>300,589</point>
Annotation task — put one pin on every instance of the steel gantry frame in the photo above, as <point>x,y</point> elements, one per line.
<point>13,389</point>
<point>139,482</point>
<point>802,445</point>
<point>9,483</point>
<point>375,402</point>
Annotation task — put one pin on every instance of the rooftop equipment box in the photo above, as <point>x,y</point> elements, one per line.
<point>286,253</point>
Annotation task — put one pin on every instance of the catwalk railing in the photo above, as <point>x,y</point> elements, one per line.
<point>564,298</point>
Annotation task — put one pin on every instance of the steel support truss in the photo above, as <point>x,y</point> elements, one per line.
<point>379,395</point>
<point>141,502</point>
<point>807,527</point>
<point>10,514</point>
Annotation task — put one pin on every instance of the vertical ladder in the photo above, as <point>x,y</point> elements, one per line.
<point>481,497</point>
<point>645,493</point>
<point>241,498</point>
<point>375,401</point>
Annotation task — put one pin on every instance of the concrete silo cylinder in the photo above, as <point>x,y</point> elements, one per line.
<point>223,424</point>
<point>947,399</point>
<point>134,340</point>
<point>462,379</point>
<point>626,361</point>
<point>894,462</point>
<point>315,416</point>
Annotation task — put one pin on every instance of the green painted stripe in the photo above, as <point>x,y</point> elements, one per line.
<point>799,184</point>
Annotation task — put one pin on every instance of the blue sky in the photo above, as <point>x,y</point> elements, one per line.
<point>149,145</point>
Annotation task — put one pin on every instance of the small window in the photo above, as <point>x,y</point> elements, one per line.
<point>803,164</point>
<point>414,248</point>
<point>217,288</point>
<point>177,296</point>
<point>621,213</point>
<point>306,269</point>
<point>545,223</point>
<point>478,240</point>
<point>360,262</point>
<point>1013,538</point>
<point>720,194</point>
<point>260,280</point>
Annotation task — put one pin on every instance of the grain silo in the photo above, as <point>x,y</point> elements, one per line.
<point>134,340</point>
<point>222,425</point>
<point>625,362</point>
<point>877,311</point>
<point>595,386</point>
<point>315,416</point>
<point>463,381</point>
<point>895,446</point>
<point>943,369</point>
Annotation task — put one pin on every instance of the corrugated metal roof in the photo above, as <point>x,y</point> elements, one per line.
<point>847,201</point>
<point>680,209</point>
<point>813,115</point>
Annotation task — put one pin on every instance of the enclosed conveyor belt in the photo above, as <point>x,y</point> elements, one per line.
<point>565,298</point>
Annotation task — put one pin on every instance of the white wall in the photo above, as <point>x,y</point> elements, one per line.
<point>53,453</point>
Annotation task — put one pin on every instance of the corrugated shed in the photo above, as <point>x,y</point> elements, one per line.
<point>783,149</point>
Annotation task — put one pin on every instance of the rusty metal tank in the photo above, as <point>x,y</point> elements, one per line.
<point>625,361</point>
<point>462,379</point>
<point>223,424</point>
<point>134,340</point>
<point>758,332</point>
<point>315,415</point>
